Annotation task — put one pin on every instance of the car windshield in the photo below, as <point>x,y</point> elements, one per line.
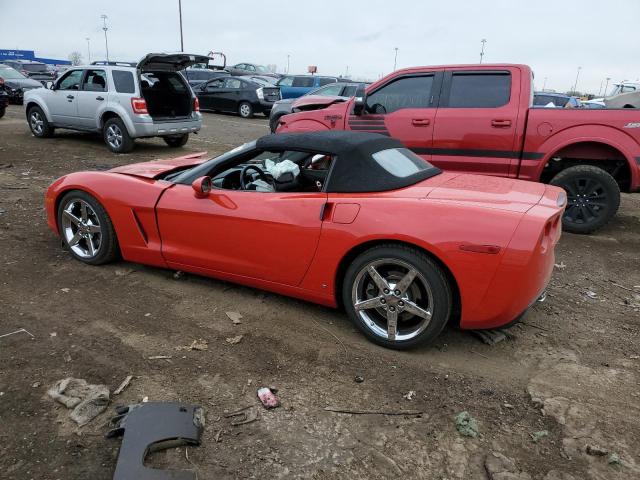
<point>261,69</point>
<point>34,67</point>
<point>9,73</point>
<point>260,81</point>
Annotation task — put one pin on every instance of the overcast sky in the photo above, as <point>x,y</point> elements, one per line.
<point>554,37</point>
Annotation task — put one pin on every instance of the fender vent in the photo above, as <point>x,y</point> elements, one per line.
<point>143,234</point>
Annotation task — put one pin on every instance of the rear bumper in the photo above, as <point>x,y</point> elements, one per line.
<point>263,106</point>
<point>146,127</point>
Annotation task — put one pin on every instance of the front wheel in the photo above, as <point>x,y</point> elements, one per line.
<point>593,197</point>
<point>176,141</point>
<point>39,124</point>
<point>397,296</point>
<point>245,110</point>
<point>86,229</point>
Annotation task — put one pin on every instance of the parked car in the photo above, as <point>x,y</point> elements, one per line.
<point>624,100</point>
<point>294,86</point>
<point>32,69</point>
<point>555,100</point>
<point>401,245</point>
<point>339,90</point>
<point>150,99</point>
<point>15,84</point>
<point>268,81</point>
<point>593,104</point>
<point>196,76</point>
<point>4,102</point>
<point>237,95</point>
<point>478,119</point>
<point>250,69</point>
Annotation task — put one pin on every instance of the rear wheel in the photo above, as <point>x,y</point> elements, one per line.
<point>116,136</point>
<point>397,296</point>
<point>38,123</point>
<point>273,122</point>
<point>2,111</point>
<point>86,229</point>
<point>245,110</point>
<point>593,197</point>
<point>176,141</point>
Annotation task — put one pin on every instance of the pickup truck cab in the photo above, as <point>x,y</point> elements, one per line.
<point>479,119</point>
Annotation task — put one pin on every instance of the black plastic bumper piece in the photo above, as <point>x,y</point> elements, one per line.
<point>154,426</point>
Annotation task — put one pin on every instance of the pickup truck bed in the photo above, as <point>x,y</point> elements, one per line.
<point>479,119</point>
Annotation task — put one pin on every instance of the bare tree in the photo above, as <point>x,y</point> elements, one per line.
<point>75,57</point>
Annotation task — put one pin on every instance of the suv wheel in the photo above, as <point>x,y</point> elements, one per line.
<point>116,136</point>
<point>38,123</point>
<point>593,197</point>
<point>2,110</point>
<point>245,110</point>
<point>176,141</point>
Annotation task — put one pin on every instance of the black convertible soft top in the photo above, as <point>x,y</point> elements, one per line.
<point>354,169</point>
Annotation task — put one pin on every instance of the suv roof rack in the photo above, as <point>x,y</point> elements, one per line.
<point>116,64</point>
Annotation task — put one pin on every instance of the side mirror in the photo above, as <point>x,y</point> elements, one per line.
<point>360,100</point>
<point>202,186</point>
<point>53,86</point>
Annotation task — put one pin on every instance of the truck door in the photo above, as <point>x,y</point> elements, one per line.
<point>476,121</point>
<point>403,108</point>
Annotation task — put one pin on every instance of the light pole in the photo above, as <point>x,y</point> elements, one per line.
<point>606,86</point>
<point>88,48</point>
<point>395,60</point>
<point>346,74</point>
<point>483,41</point>
<point>575,85</point>
<point>544,84</point>
<point>105,28</point>
<point>180,12</point>
<point>288,57</point>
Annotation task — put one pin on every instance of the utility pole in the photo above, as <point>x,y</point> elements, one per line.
<point>181,39</point>
<point>88,49</point>
<point>600,90</point>
<point>346,74</point>
<point>575,85</point>
<point>606,86</point>
<point>288,57</point>
<point>395,60</point>
<point>105,28</point>
<point>483,41</point>
<point>544,84</point>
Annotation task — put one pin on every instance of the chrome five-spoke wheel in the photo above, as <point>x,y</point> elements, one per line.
<point>81,228</point>
<point>114,136</point>
<point>36,122</point>
<point>392,299</point>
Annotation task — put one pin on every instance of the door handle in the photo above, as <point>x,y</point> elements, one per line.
<point>500,123</point>
<point>100,98</point>
<point>420,122</point>
<point>70,97</point>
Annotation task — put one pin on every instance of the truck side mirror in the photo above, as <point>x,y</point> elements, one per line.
<point>360,100</point>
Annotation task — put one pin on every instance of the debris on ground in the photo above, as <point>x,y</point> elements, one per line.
<point>560,266</point>
<point>155,425</point>
<point>6,165</point>
<point>614,459</point>
<point>200,344</point>
<point>539,435</point>
<point>234,340</point>
<point>596,450</point>
<point>490,337</point>
<point>466,425</point>
<point>178,275</point>
<point>21,330</point>
<point>244,415</point>
<point>65,290</point>
<point>67,357</point>
<point>591,294</point>
<point>160,357</point>
<point>235,317</point>
<point>508,405</point>
<point>373,412</point>
<point>123,385</point>
<point>268,398</point>
<point>500,467</point>
<point>409,395</point>
<point>123,272</point>
<point>87,400</point>
<point>358,379</point>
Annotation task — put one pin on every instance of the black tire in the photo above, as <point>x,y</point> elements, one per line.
<point>2,112</point>
<point>438,296</point>
<point>245,110</point>
<point>116,136</point>
<point>273,121</point>
<point>38,123</point>
<point>593,198</point>
<point>107,250</point>
<point>176,141</point>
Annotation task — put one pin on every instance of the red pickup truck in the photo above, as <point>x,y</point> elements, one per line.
<point>479,119</point>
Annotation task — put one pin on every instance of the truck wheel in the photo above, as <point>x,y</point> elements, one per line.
<point>38,123</point>
<point>593,197</point>
<point>245,110</point>
<point>176,141</point>
<point>116,136</point>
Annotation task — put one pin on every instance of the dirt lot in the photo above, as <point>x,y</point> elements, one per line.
<point>571,369</point>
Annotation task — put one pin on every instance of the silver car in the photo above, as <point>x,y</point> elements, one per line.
<point>122,101</point>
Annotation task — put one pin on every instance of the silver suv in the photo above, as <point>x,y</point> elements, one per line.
<point>123,101</point>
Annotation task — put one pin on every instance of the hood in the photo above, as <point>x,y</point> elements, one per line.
<point>490,192</point>
<point>157,168</point>
<point>22,83</point>
<point>316,102</point>
<point>170,62</point>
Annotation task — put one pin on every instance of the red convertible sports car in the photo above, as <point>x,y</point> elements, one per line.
<point>337,218</point>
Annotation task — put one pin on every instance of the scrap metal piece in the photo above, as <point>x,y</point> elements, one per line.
<point>148,427</point>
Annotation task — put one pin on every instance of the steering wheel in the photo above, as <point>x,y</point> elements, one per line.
<point>243,174</point>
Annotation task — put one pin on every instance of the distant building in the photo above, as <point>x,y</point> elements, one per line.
<point>29,55</point>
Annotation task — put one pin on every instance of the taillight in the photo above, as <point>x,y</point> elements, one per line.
<point>196,104</point>
<point>139,105</point>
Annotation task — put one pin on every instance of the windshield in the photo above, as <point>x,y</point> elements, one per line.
<point>34,67</point>
<point>261,69</point>
<point>9,73</point>
<point>261,81</point>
